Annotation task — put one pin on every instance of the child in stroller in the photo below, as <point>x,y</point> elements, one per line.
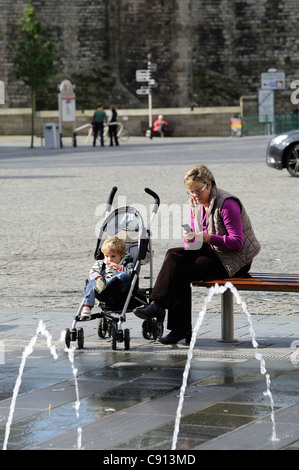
<point>109,277</point>
<point>117,294</point>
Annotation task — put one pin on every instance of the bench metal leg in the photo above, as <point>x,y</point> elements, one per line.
<point>227,317</point>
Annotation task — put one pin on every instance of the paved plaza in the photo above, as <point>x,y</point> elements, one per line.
<point>51,209</point>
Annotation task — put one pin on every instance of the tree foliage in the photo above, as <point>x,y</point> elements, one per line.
<point>35,56</point>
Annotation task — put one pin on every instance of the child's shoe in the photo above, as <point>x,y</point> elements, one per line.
<point>86,313</point>
<point>100,285</point>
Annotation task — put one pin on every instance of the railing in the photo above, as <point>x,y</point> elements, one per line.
<point>282,123</point>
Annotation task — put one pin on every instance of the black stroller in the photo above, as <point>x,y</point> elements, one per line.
<point>127,223</point>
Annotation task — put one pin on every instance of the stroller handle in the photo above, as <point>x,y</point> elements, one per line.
<point>155,196</point>
<point>110,198</point>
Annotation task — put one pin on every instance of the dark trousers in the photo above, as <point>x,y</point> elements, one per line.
<point>98,127</point>
<point>172,288</point>
<point>113,133</point>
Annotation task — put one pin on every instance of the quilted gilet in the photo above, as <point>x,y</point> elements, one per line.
<point>233,260</point>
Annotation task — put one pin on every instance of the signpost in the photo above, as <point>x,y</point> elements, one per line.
<point>145,76</point>
<point>67,107</point>
<point>270,81</point>
<point>266,105</point>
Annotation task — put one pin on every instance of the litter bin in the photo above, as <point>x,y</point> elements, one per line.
<point>52,135</point>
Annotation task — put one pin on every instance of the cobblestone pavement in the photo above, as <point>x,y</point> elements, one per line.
<point>49,217</point>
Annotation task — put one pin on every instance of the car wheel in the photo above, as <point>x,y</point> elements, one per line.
<point>292,160</point>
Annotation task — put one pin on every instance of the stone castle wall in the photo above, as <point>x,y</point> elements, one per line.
<point>208,52</point>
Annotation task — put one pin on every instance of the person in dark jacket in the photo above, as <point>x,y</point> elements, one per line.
<point>98,122</point>
<point>113,125</point>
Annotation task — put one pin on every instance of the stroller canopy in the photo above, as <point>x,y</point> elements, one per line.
<point>125,223</point>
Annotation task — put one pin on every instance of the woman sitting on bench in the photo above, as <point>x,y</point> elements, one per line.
<point>221,243</point>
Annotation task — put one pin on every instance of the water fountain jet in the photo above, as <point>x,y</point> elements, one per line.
<point>216,289</point>
<point>41,329</point>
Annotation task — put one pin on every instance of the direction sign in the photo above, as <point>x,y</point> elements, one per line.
<point>143,91</point>
<point>143,75</point>
<point>273,81</point>
<point>152,67</point>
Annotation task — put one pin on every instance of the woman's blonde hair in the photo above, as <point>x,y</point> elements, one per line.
<point>111,244</point>
<point>199,173</point>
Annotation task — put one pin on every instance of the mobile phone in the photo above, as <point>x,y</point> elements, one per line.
<point>187,228</point>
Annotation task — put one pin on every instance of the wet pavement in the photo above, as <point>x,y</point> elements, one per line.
<point>129,399</point>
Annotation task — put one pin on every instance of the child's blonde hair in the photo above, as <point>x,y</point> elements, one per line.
<point>115,244</point>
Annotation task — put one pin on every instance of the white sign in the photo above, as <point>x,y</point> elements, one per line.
<point>68,108</point>
<point>68,101</point>
<point>143,72</point>
<point>273,81</point>
<point>266,105</point>
<point>143,75</point>
<point>143,91</point>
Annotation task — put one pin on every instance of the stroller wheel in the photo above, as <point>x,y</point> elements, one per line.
<point>102,327</point>
<point>114,339</point>
<point>67,338</point>
<point>147,328</point>
<point>80,338</point>
<point>157,329</point>
<point>127,339</point>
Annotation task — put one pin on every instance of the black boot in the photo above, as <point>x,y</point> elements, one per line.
<point>174,337</point>
<point>150,311</point>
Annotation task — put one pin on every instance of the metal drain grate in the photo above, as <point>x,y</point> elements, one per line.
<point>283,356</point>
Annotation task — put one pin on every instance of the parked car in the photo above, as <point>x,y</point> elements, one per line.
<point>283,152</point>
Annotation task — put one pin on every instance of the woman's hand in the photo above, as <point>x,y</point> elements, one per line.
<point>203,237</point>
<point>188,236</point>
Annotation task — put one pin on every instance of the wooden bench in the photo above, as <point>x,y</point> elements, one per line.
<point>145,127</point>
<point>251,282</point>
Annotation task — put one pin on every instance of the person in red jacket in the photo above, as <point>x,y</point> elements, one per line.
<point>160,125</point>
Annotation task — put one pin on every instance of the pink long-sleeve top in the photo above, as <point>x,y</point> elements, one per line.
<point>231,216</point>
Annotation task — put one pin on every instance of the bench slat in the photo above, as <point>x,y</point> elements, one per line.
<point>258,282</point>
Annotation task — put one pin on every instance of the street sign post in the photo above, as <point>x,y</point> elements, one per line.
<point>144,75</point>
<point>266,105</point>
<point>270,81</point>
